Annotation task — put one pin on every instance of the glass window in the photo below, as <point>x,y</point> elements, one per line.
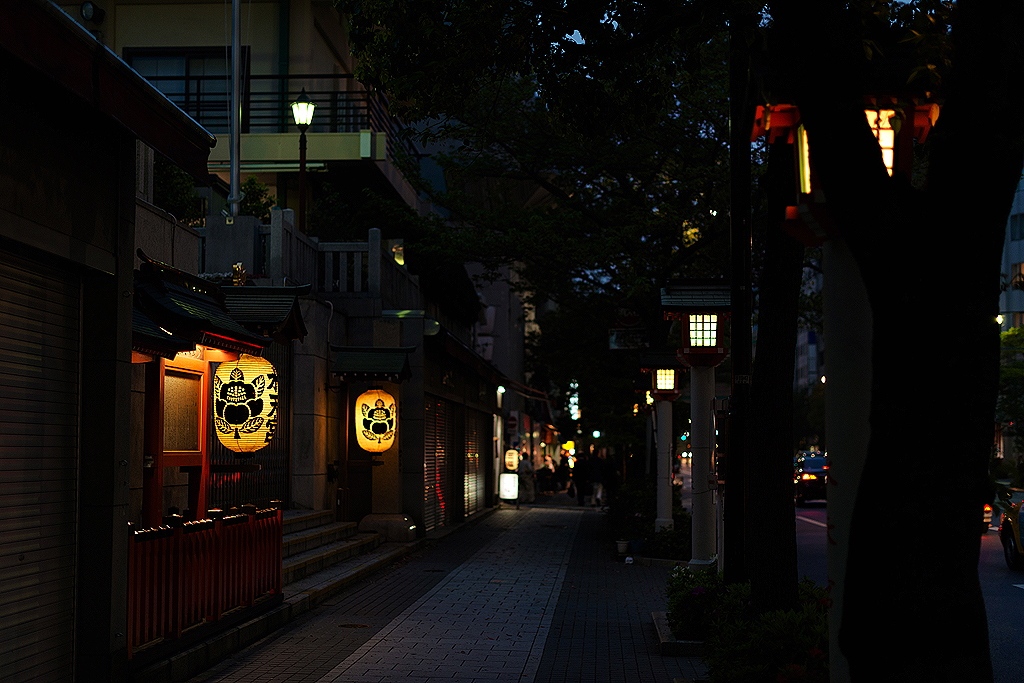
<point>197,80</point>
<point>183,398</point>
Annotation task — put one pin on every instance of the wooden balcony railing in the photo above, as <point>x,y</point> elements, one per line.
<point>184,574</point>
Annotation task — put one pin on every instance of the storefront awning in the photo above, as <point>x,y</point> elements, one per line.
<point>372,363</point>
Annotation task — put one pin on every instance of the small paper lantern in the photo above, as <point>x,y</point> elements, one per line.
<point>376,420</point>
<point>511,459</point>
<point>245,403</point>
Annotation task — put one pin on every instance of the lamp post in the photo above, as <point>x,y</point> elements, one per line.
<point>664,368</point>
<point>302,111</point>
<point>702,307</point>
<point>664,391</point>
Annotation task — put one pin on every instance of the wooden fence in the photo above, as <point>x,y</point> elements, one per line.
<point>183,574</point>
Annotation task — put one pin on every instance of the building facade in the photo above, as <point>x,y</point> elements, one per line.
<point>68,218</point>
<point>444,463</point>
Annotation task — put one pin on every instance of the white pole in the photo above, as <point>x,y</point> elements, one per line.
<point>704,536</point>
<point>236,107</point>
<point>664,474</point>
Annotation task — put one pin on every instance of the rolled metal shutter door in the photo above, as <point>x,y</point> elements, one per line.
<point>40,339</point>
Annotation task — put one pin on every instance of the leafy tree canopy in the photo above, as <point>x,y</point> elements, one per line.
<point>584,145</point>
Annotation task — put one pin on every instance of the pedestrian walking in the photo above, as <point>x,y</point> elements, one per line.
<point>527,483</point>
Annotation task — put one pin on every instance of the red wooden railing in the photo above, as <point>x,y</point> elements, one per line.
<point>186,573</point>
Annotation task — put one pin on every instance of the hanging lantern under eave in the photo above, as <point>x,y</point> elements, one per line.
<point>245,403</point>
<point>376,420</point>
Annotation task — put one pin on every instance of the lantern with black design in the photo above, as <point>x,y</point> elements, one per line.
<point>376,420</point>
<point>245,403</point>
<point>375,414</point>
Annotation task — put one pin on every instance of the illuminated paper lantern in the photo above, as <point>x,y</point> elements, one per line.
<point>511,459</point>
<point>245,403</point>
<point>376,420</point>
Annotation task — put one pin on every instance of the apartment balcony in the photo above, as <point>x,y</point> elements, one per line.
<point>350,123</point>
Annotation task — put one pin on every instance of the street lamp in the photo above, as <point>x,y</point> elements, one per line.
<point>701,307</point>
<point>302,111</point>
<point>664,389</point>
<point>664,392</point>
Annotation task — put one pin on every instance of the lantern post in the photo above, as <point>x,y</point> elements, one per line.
<point>302,111</point>
<point>664,391</point>
<point>702,308</point>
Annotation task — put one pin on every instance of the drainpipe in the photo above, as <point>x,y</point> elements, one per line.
<point>236,107</point>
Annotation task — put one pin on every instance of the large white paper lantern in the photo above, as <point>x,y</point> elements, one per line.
<point>245,403</point>
<point>376,420</point>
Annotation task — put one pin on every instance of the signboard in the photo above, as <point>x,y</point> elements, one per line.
<point>623,338</point>
<point>508,486</point>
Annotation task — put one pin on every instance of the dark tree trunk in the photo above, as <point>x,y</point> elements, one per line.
<point>912,605</point>
<point>771,523</point>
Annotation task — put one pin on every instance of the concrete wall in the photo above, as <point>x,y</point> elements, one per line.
<point>318,403</point>
<point>163,239</point>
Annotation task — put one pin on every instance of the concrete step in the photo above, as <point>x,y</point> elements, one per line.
<point>306,563</point>
<point>311,538</point>
<point>314,589</point>
<point>299,520</point>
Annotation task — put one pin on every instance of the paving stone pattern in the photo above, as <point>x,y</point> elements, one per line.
<point>523,596</point>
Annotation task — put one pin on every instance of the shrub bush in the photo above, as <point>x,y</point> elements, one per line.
<point>740,646</point>
<point>697,599</point>
<point>632,514</point>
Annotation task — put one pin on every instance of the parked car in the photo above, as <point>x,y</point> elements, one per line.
<point>1010,527</point>
<point>810,476</point>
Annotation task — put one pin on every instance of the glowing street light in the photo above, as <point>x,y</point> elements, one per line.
<point>664,369</point>
<point>302,112</point>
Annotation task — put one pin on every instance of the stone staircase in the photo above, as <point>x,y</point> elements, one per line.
<point>322,556</point>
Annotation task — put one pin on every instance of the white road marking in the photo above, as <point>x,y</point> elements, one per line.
<point>1018,585</point>
<point>812,521</point>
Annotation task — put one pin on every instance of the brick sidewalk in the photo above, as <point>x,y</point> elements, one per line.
<point>523,596</point>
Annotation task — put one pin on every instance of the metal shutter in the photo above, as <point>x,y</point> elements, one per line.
<point>438,437</point>
<point>39,371</point>
<point>473,483</point>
